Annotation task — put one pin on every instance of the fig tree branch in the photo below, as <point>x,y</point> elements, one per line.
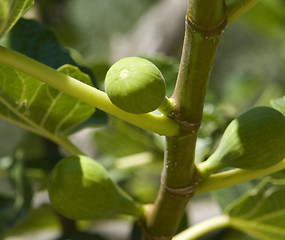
<point>205,21</point>
<point>90,95</point>
<point>236,8</point>
<point>236,176</point>
<point>203,228</point>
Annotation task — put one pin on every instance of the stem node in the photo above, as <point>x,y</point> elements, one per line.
<point>187,191</point>
<point>206,32</point>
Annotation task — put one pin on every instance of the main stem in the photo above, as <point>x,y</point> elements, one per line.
<point>205,21</point>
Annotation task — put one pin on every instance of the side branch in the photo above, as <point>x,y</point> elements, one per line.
<point>236,176</point>
<point>238,7</point>
<point>90,95</point>
<point>204,227</point>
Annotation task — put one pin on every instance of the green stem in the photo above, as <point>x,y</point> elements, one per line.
<point>205,170</point>
<point>90,95</point>
<point>238,7</point>
<point>203,228</point>
<point>205,21</point>
<point>37,129</point>
<point>176,188</point>
<point>167,107</point>
<point>236,176</point>
<point>200,43</point>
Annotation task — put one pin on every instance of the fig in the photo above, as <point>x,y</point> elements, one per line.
<point>254,140</point>
<point>79,188</point>
<point>135,85</point>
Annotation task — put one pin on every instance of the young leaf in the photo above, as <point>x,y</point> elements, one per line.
<point>39,108</point>
<point>260,211</point>
<point>11,11</point>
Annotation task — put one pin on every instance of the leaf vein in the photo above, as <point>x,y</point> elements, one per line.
<point>53,103</point>
<point>57,129</point>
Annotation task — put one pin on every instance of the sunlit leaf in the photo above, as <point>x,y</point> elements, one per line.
<point>39,108</point>
<point>27,102</point>
<point>260,211</point>
<point>32,39</point>
<point>11,11</point>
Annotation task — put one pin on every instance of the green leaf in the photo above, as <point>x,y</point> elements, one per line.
<point>279,104</point>
<point>260,212</point>
<point>10,12</point>
<point>34,40</point>
<point>39,108</point>
<point>226,196</point>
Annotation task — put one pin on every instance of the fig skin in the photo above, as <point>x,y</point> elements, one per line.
<point>254,140</point>
<point>79,188</point>
<point>135,85</point>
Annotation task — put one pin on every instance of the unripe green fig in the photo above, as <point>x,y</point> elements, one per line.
<point>79,188</point>
<point>254,140</point>
<point>135,85</point>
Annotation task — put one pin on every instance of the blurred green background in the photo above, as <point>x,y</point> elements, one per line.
<point>249,70</point>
